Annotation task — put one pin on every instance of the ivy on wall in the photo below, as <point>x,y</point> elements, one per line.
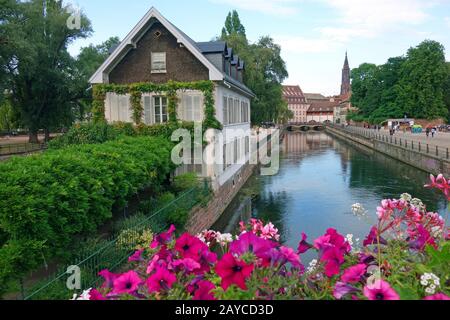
<point>170,89</point>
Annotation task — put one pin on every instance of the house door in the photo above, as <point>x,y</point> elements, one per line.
<point>160,104</point>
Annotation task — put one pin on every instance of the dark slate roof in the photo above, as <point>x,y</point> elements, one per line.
<point>229,53</point>
<point>238,84</point>
<point>235,60</point>
<point>241,65</point>
<point>212,46</point>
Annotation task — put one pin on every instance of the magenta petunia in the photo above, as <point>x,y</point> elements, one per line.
<point>163,238</point>
<point>438,296</point>
<point>248,242</point>
<point>304,246</point>
<point>204,291</point>
<point>333,259</point>
<point>127,283</point>
<point>288,255</point>
<point>354,274</point>
<point>137,256</point>
<point>422,239</point>
<point>94,295</point>
<point>161,280</point>
<point>109,278</point>
<point>233,271</point>
<point>187,265</point>
<point>380,290</point>
<point>372,238</point>
<point>342,289</point>
<point>190,247</point>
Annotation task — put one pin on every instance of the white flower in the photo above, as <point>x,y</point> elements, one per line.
<point>225,238</point>
<point>86,295</point>
<point>358,210</point>
<point>406,196</point>
<point>424,283</point>
<point>312,266</point>
<point>430,291</point>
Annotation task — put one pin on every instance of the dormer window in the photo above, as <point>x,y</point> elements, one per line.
<point>158,62</point>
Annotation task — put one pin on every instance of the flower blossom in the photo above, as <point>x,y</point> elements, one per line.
<point>233,271</point>
<point>354,274</point>
<point>127,283</point>
<point>380,290</point>
<point>161,280</point>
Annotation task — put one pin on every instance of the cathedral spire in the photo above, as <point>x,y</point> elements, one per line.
<point>346,86</point>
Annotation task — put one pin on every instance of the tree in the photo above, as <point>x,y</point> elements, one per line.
<point>233,25</point>
<point>447,91</point>
<point>265,70</point>
<point>40,71</point>
<point>88,61</point>
<point>8,119</point>
<point>423,77</point>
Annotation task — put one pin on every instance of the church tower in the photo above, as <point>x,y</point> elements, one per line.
<point>346,86</point>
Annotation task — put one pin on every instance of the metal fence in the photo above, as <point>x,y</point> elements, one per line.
<point>20,148</point>
<point>114,252</point>
<point>417,146</point>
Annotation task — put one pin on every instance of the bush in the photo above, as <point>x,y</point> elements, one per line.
<point>94,133</point>
<point>185,182</point>
<point>54,196</point>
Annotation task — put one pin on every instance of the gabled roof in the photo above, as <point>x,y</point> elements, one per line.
<point>323,106</point>
<point>133,37</point>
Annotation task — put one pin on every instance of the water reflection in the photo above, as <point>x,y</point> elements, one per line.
<point>319,180</point>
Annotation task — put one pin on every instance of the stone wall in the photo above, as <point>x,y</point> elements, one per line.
<point>203,218</point>
<point>425,162</point>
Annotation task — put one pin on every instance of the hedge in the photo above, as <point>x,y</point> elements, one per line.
<point>49,198</point>
<point>92,133</point>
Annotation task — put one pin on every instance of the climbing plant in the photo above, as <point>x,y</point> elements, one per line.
<point>170,88</point>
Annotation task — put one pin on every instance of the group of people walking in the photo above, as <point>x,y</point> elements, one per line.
<point>429,130</point>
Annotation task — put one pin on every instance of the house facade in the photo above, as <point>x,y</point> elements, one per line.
<point>297,103</point>
<point>157,52</point>
<point>321,112</point>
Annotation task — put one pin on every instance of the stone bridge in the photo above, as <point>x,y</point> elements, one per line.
<point>306,127</point>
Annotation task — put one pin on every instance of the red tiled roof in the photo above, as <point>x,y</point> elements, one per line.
<point>293,94</point>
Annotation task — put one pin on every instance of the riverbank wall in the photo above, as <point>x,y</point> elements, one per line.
<point>203,218</point>
<point>420,160</point>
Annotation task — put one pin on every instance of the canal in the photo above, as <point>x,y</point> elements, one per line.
<point>320,178</point>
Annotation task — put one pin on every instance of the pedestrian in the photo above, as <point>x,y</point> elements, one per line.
<point>433,132</point>
<point>427,131</point>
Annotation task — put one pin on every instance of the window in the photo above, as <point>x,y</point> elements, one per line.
<point>148,115</point>
<point>225,110</point>
<point>192,108</point>
<point>160,104</point>
<point>158,62</point>
<point>117,108</point>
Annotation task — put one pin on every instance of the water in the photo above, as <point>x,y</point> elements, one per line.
<point>320,178</point>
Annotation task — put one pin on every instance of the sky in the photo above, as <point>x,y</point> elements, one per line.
<point>313,34</point>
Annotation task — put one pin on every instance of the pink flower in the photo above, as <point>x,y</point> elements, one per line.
<point>333,258</point>
<point>342,289</point>
<point>136,257</point>
<point>96,296</point>
<point>109,278</point>
<point>438,296</point>
<point>354,274</point>
<point>161,280</point>
<point>380,290</point>
<point>233,271</point>
<point>204,291</point>
<point>188,265</point>
<point>372,238</point>
<point>248,242</point>
<point>190,247</point>
<point>206,260</point>
<point>127,283</point>
<point>152,265</point>
<point>423,238</point>
<point>303,245</point>
<point>269,232</point>
<point>163,238</point>
<point>288,255</point>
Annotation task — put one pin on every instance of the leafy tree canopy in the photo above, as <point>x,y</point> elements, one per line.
<point>415,85</point>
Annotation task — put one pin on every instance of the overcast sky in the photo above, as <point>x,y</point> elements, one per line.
<point>313,34</point>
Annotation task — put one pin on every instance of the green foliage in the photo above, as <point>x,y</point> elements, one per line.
<point>8,118</point>
<point>413,85</point>
<point>54,196</point>
<point>170,88</point>
<point>264,74</point>
<point>39,69</point>
<point>233,25</point>
<point>185,182</point>
<point>94,133</point>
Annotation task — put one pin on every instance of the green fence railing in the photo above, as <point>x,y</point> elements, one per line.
<point>114,252</point>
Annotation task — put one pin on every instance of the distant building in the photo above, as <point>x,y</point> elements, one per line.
<point>321,112</point>
<point>346,87</point>
<point>297,103</point>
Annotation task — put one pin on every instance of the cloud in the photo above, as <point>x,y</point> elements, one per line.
<point>273,7</point>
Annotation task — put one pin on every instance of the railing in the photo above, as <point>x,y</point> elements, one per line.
<point>417,146</point>
<point>115,250</point>
<point>20,148</point>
